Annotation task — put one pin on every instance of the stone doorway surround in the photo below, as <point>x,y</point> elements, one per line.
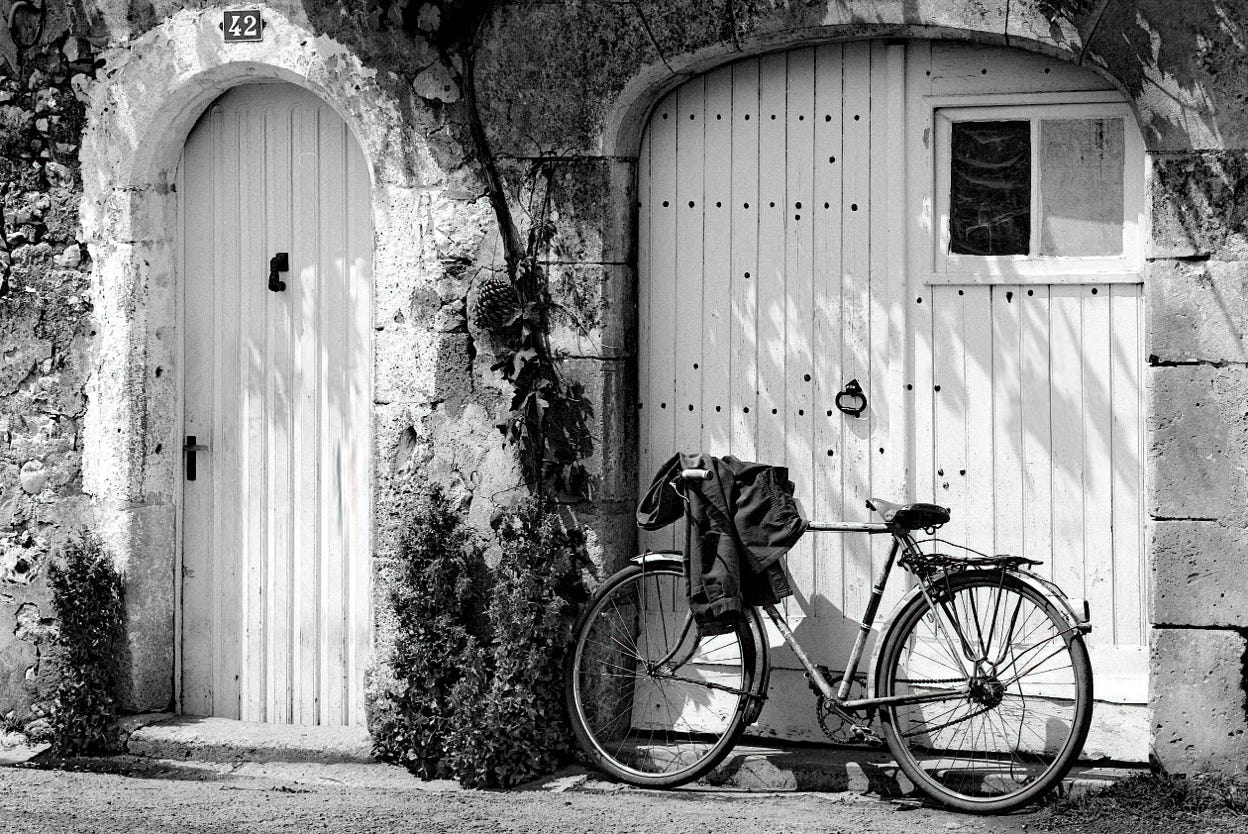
<point>154,89</point>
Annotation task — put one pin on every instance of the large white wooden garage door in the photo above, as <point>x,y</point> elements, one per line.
<point>275,523</point>
<point>786,230</point>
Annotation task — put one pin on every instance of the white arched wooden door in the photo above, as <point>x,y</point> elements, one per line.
<point>277,392</point>
<point>791,241</point>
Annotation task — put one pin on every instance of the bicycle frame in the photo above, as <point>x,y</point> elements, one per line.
<point>838,699</point>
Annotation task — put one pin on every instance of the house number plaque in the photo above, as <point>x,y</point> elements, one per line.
<point>242,25</point>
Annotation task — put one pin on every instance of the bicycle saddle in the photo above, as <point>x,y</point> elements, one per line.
<point>910,516</point>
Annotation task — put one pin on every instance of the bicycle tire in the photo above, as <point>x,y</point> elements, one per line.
<point>985,753</point>
<point>615,670</point>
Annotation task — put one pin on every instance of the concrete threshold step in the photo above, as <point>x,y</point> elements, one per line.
<point>193,738</point>
<point>764,767</point>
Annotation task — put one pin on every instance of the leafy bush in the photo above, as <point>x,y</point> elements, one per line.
<point>87,595</point>
<point>513,725</point>
<point>438,600</point>
<point>478,691</point>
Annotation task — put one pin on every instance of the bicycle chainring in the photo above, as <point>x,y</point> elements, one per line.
<point>862,733</point>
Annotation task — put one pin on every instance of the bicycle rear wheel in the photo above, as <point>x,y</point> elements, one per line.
<point>1019,692</point>
<point>652,702</point>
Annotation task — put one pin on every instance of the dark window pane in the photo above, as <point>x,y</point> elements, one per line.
<point>990,188</point>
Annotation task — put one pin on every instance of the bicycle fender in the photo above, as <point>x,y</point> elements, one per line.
<point>1046,588</point>
<point>762,662</point>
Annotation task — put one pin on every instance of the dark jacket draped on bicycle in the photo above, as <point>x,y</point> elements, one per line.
<point>740,523</point>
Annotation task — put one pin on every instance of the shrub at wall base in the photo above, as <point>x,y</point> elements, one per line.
<point>512,726</point>
<point>87,595</point>
<point>438,597</point>
<point>476,691</point>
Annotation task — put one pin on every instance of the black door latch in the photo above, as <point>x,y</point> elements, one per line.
<point>190,448</point>
<point>277,264</point>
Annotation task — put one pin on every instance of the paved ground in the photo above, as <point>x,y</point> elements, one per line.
<point>144,795</point>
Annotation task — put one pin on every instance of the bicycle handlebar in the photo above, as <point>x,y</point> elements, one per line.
<point>695,475</point>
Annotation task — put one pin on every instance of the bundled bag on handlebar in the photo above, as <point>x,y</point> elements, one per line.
<point>739,524</point>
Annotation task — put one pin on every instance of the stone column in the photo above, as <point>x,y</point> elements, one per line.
<point>1197,460</point>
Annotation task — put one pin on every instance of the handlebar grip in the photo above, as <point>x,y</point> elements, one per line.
<point>696,475</point>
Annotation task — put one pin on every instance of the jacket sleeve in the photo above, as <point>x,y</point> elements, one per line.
<point>661,506</point>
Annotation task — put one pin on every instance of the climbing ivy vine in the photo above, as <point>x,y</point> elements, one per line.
<point>548,415</point>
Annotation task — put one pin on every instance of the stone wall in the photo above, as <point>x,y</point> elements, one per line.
<point>45,328</point>
<point>569,84</point>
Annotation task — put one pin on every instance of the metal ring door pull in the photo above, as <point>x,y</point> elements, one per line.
<point>852,400</point>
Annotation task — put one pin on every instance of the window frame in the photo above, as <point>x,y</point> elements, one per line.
<point>950,268</point>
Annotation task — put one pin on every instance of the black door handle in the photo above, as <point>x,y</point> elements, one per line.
<point>190,448</point>
<point>277,264</point>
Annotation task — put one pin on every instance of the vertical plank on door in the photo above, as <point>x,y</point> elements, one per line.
<point>197,512</point>
<point>1066,378</point>
<point>975,473</point>
<point>1126,439</point>
<point>303,287</point>
<point>335,356</point>
<point>357,248</point>
<point>1007,420</point>
<point>226,558</point>
<point>1097,461</point>
<point>661,256</point>
<point>280,368</point>
<point>717,263</point>
<point>745,201</point>
<point>918,302</point>
<point>1037,435</point>
<point>254,361</point>
<point>949,406</point>
<point>825,496</point>
<point>690,161</point>
<point>773,82</point>
<point>646,405</point>
<point>799,273</point>
<point>855,314</point>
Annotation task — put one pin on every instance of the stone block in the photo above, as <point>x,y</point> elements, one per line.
<point>1198,311</point>
<point>1196,700</point>
<point>1197,459</point>
<point>404,364</point>
<point>1198,574</point>
<point>1199,205</point>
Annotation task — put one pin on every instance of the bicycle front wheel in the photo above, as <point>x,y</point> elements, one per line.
<point>1004,691</point>
<point>651,701</point>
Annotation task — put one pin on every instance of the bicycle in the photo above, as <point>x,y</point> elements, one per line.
<point>980,679</point>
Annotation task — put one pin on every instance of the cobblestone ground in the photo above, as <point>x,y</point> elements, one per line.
<point>171,798</point>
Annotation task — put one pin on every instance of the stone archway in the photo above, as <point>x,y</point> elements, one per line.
<point>137,123</point>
